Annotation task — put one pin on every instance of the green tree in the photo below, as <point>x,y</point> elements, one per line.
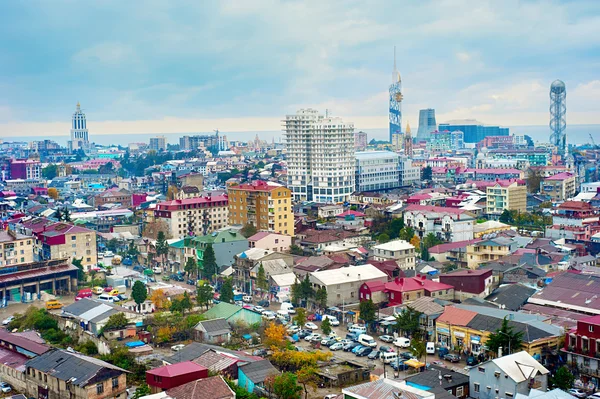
<point>427,173</point>
<point>132,250</point>
<point>181,304</point>
<point>209,262</point>
<point>506,338</point>
<point>326,326</point>
<point>406,233</point>
<point>115,322</point>
<point>227,291</point>
<point>563,379</point>
<point>78,264</point>
<point>407,321</point>
<point>142,390</point>
<point>112,244</point>
<point>261,278</point>
<point>296,250</point>
<point>66,215</point>
<point>417,348</point>
<point>368,312</point>
<point>534,178</point>
<point>506,217</point>
<point>87,348</point>
<point>425,254</point>
<point>307,377</point>
<point>383,238</point>
<point>306,289</point>
<point>300,317</point>
<point>161,246</point>
<point>191,267</point>
<point>430,240</point>
<point>286,386</point>
<point>204,294</point>
<point>139,293</point>
<point>50,171</point>
<point>296,290</point>
<point>321,297</point>
<point>248,230</point>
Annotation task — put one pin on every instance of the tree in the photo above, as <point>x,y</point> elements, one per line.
<point>306,289</point>
<point>307,376</point>
<point>407,321</point>
<point>275,335</point>
<point>227,291</point>
<point>142,390</point>
<point>406,233</point>
<point>165,334</point>
<point>209,262</point>
<point>506,338</point>
<point>78,264</point>
<point>152,229</point>
<point>368,311</point>
<point>563,379</point>
<point>326,326</point>
<point>296,292</point>
<point>417,348</point>
<point>261,278</point>
<point>204,294</point>
<point>181,303</point>
<point>132,249</point>
<point>430,240</point>
<point>506,217</point>
<point>415,242</point>
<point>112,244</point>
<point>296,250</point>
<point>53,193</point>
<point>58,214</point>
<point>139,293</point>
<point>425,254</point>
<point>66,215</point>
<point>427,173</point>
<point>172,192</point>
<point>300,317</point>
<point>115,322</point>
<point>534,178</point>
<point>285,386</point>
<point>50,172</point>
<point>161,246</point>
<point>159,299</point>
<point>321,297</point>
<point>248,230</point>
<point>383,238</point>
<point>191,266</point>
<point>291,360</point>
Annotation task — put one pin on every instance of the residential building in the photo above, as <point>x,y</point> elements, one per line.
<point>427,124</point>
<point>25,169</point>
<point>15,248</point>
<point>489,250</point>
<point>571,290</point>
<point>233,314</point>
<point>79,132</point>
<point>174,375</point>
<point>454,383</point>
<point>113,196</point>
<point>409,174</point>
<point>489,174</point>
<point>474,131</point>
<point>399,250</point>
<point>158,143</point>
<point>508,195</point>
<point>267,206</point>
<point>384,388</point>
<point>582,345</point>
<point>455,252</point>
<point>225,243</point>
<point>270,241</point>
<point>507,377</point>
<point>534,157</point>
<point>343,284</point>
<point>320,157</point>
<point>490,142</point>
<point>193,216</point>
<point>559,187</point>
<point>15,350</point>
<point>59,374</point>
<point>23,187</point>
<point>440,141</point>
<point>247,262</point>
<point>252,376</point>
<point>469,283</point>
<point>458,140</point>
<point>576,220</point>
<point>92,314</point>
<point>448,224</point>
<point>360,141</point>
<point>377,170</point>
<point>210,387</point>
<point>206,142</point>
<point>404,290</point>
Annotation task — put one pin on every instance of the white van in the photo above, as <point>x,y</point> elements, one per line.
<point>402,342</point>
<point>389,357</point>
<point>288,307</point>
<point>283,313</point>
<point>106,298</point>
<point>358,329</point>
<point>366,340</point>
<point>332,320</point>
<point>430,348</point>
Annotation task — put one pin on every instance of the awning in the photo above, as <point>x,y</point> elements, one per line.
<point>350,312</point>
<point>414,363</point>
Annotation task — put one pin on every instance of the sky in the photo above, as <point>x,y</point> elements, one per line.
<point>194,66</point>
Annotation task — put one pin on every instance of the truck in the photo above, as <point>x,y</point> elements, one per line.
<point>121,288</point>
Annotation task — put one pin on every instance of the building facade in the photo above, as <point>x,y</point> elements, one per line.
<point>582,346</point>
<point>360,141</point>
<point>267,206</point>
<point>489,250</point>
<point>377,170</point>
<point>506,195</point>
<point>25,169</point>
<point>193,216</point>
<point>320,157</point>
<point>158,143</point>
<point>79,132</point>
<point>474,131</point>
<point>559,187</point>
<point>398,250</point>
<point>427,124</point>
<point>448,224</point>
<point>15,248</point>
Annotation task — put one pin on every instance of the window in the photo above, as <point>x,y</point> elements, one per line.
<point>476,387</point>
<point>115,382</point>
<point>591,328</point>
<point>496,374</point>
<point>459,391</point>
<point>99,388</point>
<point>73,238</point>
<point>509,394</point>
<point>481,369</point>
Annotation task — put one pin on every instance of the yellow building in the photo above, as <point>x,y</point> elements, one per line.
<point>15,248</point>
<point>266,206</point>
<point>506,195</point>
<point>489,250</point>
<point>461,331</point>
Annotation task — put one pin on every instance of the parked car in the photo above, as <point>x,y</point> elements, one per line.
<point>293,328</point>
<point>191,281</point>
<point>5,387</point>
<point>374,355</point>
<point>108,289</point>
<point>259,309</point>
<point>8,320</point>
<point>452,358</point>
<point>386,338</point>
<point>311,326</point>
<point>406,355</point>
<point>314,337</point>
<point>578,393</point>
<point>311,317</point>
<point>177,348</point>
<point>264,303</point>
<point>356,348</point>
<point>260,352</point>
<point>349,346</point>
<point>336,346</point>
<point>472,361</point>
<point>402,342</point>
<point>384,348</point>
<point>364,351</point>
<point>268,316</point>
<point>443,351</point>
<point>304,333</point>
<point>399,365</point>
<point>123,297</point>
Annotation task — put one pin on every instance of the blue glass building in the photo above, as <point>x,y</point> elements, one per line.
<point>474,131</point>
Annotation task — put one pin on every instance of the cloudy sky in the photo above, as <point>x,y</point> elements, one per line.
<point>240,65</point>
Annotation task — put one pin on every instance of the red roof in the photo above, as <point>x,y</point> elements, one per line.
<point>560,176</point>
<point>23,342</point>
<point>432,208</point>
<point>351,213</point>
<point>172,370</point>
<point>576,205</point>
<point>441,248</point>
<point>408,284</point>
<point>493,171</point>
<point>468,272</point>
<point>456,316</point>
<point>257,185</point>
<point>178,204</point>
<point>259,236</point>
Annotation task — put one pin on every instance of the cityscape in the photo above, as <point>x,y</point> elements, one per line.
<point>371,248</point>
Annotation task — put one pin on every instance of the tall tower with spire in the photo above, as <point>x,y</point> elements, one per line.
<point>395,102</point>
<point>79,132</point>
<point>408,141</point>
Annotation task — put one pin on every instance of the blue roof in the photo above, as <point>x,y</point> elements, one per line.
<point>135,344</point>
<point>247,336</point>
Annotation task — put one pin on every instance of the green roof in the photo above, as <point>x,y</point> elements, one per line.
<point>177,244</point>
<point>216,237</point>
<point>222,311</point>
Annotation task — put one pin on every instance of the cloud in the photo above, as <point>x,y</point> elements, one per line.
<point>106,54</point>
<point>463,56</point>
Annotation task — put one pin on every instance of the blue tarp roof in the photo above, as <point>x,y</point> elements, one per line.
<point>135,344</point>
<point>247,336</point>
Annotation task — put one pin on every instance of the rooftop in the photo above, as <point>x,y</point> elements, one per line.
<point>456,316</point>
<point>211,387</point>
<point>348,274</point>
<point>560,176</point>
<point>520,366</point>
<point>395,245</point>
<point>177,369</point>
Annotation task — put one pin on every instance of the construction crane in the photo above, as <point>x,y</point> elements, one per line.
<point>593,142</point>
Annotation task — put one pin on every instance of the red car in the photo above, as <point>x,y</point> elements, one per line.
<point>108,289</point>
<point>311,317</point>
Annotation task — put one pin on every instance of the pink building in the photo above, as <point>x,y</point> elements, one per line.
<point>270,241</point>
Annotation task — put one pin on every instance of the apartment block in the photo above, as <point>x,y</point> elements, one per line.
<point>15,248</point>
<point>267,206</point>
<point>560,187</point>
<point>506,195</point>
<point>377,170</point>
<point>193,216</point>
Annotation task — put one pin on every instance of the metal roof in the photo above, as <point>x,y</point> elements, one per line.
<point>257,372</point>
<point>214,326</point>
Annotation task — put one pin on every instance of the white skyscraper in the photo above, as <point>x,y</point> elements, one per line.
<point>320,157</point>
<point>79,132</point>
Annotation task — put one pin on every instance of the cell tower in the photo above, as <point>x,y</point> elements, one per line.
<point>558,115</point>
<point>395,102</point>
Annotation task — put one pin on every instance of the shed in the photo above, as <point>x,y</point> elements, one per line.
<point>174,375</point>
<point>215,331</point>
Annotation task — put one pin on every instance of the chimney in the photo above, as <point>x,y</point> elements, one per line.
<point>396,280</point>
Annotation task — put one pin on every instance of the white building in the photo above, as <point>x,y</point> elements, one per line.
<point>197,216</point>
<point>79,132</point>
<point>158,143</point>
<point>590,187</point>
<point>399,250</point>
<point>377,170</point>
<point>342,284</point>
<point>320,157</point>
<point>409,174</point>
<point>448,224</point>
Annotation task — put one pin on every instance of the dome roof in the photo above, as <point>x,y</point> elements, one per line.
<point>558,84</point>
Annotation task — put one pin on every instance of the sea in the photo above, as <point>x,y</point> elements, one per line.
<point>576,134</point>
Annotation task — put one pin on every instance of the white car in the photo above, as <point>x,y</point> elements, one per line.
<point>314,337</point>
<point>402,342</point>
<point>259,309</point>
<point>293,329</point>
<point>578,393</point>
<point>311,326</point>
<point>178,347</point>
<point>8,320</point>
<point>268,315</point>
<point>5,387</point>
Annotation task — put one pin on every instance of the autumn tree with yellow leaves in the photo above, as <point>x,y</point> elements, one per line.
<point>275,335</point>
